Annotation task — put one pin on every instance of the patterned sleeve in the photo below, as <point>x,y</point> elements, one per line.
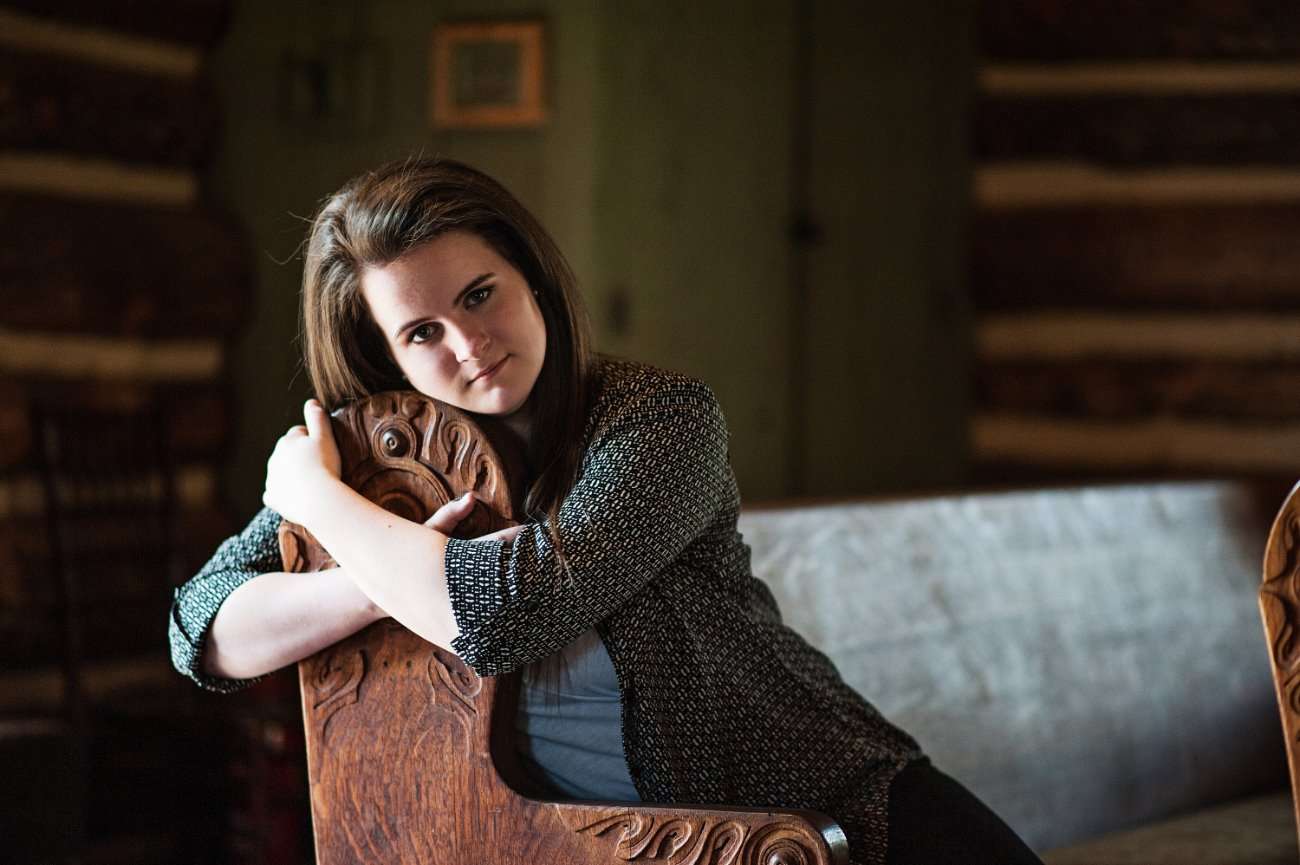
<point>252,552</point>
<point>651,483</point>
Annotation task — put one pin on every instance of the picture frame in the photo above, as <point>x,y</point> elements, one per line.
<point>488,75</point>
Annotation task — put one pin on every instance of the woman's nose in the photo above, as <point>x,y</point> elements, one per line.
<point>470,342</point>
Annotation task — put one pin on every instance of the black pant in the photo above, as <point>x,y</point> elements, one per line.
<point>934,820</point>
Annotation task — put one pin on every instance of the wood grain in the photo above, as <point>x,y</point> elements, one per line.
<point>1055,30</point>
<point>1036,184</point>
<point>1150,446</point>
<point>197,414</point>
<point>1138,335</point>
<point>74,356</point>
<point>194,22</point>
<point>38,689</point>
<point>70,266</point>
<point>1139,130</point>
<point>1159,256</point>
<point>15,423</point>
<point>1171,78</point>
<point>81,108</point>
<point>1115,389</point>
<point>124,613</point>
<point>107,48</point>
<point>87,179</point>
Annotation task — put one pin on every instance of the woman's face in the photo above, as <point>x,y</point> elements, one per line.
<point>461,322</point>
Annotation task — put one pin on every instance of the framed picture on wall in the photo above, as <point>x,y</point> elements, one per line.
<point>487,75</point>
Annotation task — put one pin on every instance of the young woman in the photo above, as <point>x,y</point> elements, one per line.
<point>681,684</point>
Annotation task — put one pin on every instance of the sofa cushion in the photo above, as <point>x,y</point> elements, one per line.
<point>1257,831</point>
<point>1085,660</point>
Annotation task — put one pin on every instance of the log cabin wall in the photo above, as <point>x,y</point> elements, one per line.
<point>120,289</point>
<point>1136,239</point>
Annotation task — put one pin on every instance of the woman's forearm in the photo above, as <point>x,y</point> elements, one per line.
<point>277,619</point>
<point>395,562</point>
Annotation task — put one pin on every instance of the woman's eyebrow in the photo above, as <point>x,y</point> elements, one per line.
<point>473,284</point>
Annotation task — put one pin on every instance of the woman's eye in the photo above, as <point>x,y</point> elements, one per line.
<point>424,332</point>
<point>477,296</point>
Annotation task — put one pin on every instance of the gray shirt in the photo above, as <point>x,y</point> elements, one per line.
<point>569,723</point>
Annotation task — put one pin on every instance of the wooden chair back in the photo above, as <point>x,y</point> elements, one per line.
<point>1279,604</point>
<point>409,751</point>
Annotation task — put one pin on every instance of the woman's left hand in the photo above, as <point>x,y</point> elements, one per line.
<point>303,468</point>
<point>446,518</point>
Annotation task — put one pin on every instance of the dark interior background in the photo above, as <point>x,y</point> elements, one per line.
<point>912,247</point>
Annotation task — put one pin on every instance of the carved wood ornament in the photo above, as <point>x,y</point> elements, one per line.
<point>1279,604</point>
<point>409,751</point>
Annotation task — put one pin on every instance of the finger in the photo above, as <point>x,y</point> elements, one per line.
<point>453,510</point>
<point>446,518</point>
<point>507,534</point>
<point>462,503</point>
<point>318,422</point>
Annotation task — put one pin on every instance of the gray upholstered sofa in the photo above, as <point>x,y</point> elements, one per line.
<point>1091,661</point>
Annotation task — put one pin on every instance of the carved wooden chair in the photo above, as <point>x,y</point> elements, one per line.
<point>409,752</point>
<point>1279,603</point>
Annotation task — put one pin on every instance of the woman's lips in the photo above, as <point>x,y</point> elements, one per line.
<point>490,371</point>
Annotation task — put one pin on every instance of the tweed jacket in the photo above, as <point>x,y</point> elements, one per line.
<point>722,703</point>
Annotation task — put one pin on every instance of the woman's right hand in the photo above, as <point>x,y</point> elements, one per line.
<point>446,518</point>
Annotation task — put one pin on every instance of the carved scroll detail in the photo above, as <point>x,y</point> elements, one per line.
<point>684,840</point>
<point>642,838</point>
<point>1280,596</point>
<point>336,683</point>
<point>464,686</point>
<point>1279,602</point>
<point>780,844</point>
<point>410,455</point>
<point>455,439</point>
<point>465,455</point>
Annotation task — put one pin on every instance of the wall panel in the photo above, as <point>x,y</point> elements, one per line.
<point>1134,261</point>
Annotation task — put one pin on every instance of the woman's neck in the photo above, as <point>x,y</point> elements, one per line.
<point>520,425</point>
<point>510,436</point>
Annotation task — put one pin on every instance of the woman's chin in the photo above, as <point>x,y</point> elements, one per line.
<point>501,407</point>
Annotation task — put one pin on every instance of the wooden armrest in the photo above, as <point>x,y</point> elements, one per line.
<point>1279,604</point>
<point>410,753</point>
<point>707,836</point>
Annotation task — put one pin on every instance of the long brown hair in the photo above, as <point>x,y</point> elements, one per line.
<point>379,216</point>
